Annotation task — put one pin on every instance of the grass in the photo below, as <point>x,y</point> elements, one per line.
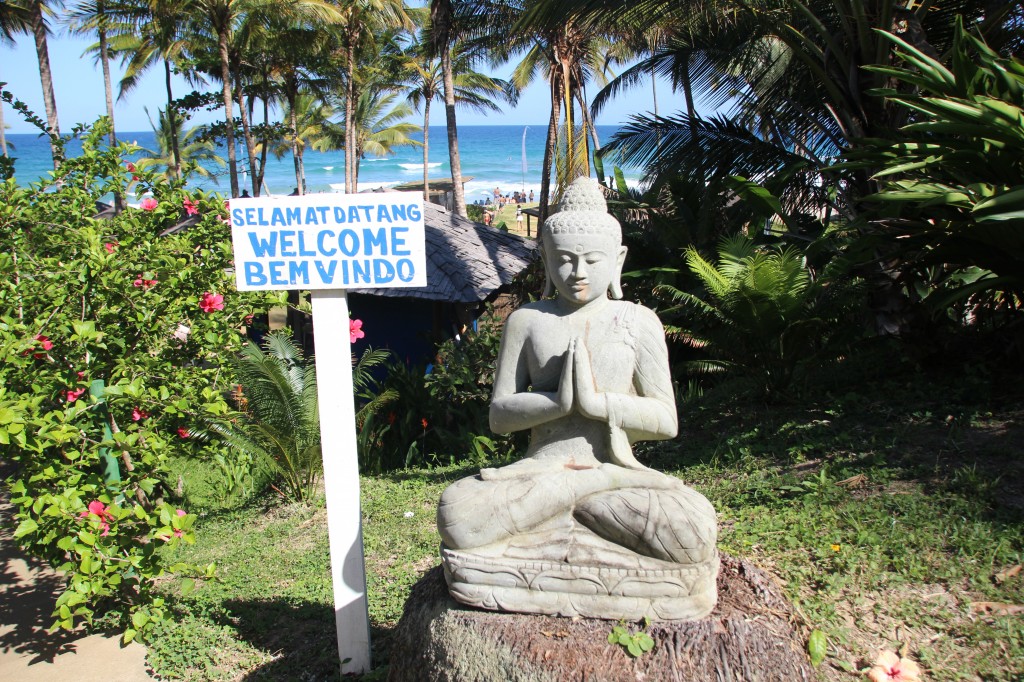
<point>890,516</point>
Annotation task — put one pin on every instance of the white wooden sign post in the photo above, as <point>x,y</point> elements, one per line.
<point>327,243</point>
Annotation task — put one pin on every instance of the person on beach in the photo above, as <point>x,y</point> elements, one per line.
<point>519,217</point>
<point>497,194</point>
<point>531,196</point>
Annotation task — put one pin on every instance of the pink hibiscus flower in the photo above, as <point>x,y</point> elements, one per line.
<point>144,283</point>
<point>210,302</point>
<point>190,207</point>
<point>139,415</point>
<point>43,344</point>
<point>110,246</point>
<point>74,394</point>
<point>355,330</point>
<point>889,667</point>
<point>183,432</point>
<point>148,204</point>
<point>100,511</point>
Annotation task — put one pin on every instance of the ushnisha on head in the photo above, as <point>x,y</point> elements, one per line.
<point>582,247</point>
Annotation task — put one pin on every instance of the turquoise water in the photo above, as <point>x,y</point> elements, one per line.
<point>491,155</point>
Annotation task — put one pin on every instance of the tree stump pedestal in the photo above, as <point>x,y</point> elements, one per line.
<point>749,636</point>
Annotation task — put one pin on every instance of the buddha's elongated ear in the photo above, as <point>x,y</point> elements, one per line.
<point>615,286</point>
<point>549,286</point>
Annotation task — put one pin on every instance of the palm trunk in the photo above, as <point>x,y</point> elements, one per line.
<point>46,80</point>
<point>588,123</point>
<point>293,123</point>
<point>3,135</point>
<point>549,152</point>
<point>250,142</point>
<point>108,89</point>
<point>229,114</point>
<point>350,124</point>
<point>426,149</point>
<point>458,191</point>
<point>263,151</point>
<point>175,151</point>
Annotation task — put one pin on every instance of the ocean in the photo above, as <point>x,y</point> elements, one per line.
<point>491,156</point>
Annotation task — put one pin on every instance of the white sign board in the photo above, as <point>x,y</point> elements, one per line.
<point>332,242</point>
<point>329,241</point>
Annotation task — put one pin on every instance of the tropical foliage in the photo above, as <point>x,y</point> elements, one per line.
<point>110,337</point>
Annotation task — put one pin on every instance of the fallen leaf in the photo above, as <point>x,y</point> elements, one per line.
<point>996,608</point>
<point>1007,573</point>
<point>853,481</point>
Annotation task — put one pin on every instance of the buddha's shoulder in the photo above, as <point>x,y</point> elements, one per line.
<point>635,313</point>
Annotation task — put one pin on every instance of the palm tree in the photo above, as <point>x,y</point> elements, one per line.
<point>192,151</point>
<point>308,118</point>
<point>444,31</point>
<point>99,17</point>
<point>472,89</point>
<point>159,36</point>
<point>15,18</point>
<point>361,25</point>
<point>221,18</point>
<point>378,127</point>
<point>39,11</point>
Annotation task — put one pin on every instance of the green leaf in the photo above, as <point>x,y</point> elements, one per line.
<point>187,586</point>
<point>817,647</point>
<point>25,527</point>
<point>129,635</point>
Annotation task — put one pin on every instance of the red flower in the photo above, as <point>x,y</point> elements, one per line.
<point>424,422</point>
<point>80,375</point>
<point>190,207</point>
<point>99,510</point>
<point>181,512</point>
<point>130,166</point>
<point>138,415</point>
<point>355,330</point>
<point>144,283</point>
<point>44,344</point>
<point>110,246</point>
<point>183,432</point>
<point>148,204</point>
<point>74,394</point>
<point>210,302</point>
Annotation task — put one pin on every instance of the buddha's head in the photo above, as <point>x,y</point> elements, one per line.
<point>582,246</point>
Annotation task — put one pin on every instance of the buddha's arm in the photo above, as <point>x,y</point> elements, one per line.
<point>513,408</point>
<point>651,413</point>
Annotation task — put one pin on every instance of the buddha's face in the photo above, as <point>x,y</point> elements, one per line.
<point>582,266</point>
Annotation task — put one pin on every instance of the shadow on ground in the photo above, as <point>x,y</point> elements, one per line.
<point>301,634</point>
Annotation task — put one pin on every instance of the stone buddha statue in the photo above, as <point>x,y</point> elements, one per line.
<point>579,526</point>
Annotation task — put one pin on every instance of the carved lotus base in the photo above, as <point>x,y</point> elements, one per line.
<point>681,592</point>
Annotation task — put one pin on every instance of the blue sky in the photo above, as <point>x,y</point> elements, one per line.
<point>78,84</point>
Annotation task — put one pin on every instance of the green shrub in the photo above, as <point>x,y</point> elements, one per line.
<point>112,340</point>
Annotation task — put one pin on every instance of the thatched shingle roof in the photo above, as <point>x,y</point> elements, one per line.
<point>466,261</point>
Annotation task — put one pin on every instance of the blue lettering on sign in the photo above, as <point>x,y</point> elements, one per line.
<point>370,241</point>
<point>398,211</point>
<point>383,271</point>
<point>303,251</point>
<point>263,247</point>
<point>236,217</point>
<point>321,238</point>
<point>326,274</point>
<point>254,276</point>
<point>297,269</point>
<point>406,270</point>
<point>276,274</point>
<point>362,269</point>
<point>398,242</point>
<point>287,246</point>
<point>348,242</point>
<point>414,212</point>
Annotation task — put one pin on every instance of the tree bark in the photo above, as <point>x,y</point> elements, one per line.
<point>229,114</point>
<point>426,149</point>
<point>250,142</point>
<point>263,149</point>
<point>549,152</point>
<point>46,79</point>
<point>293,122</point>
<point>458,191</point>
<point>350,124</point>
<point>175,151</point>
